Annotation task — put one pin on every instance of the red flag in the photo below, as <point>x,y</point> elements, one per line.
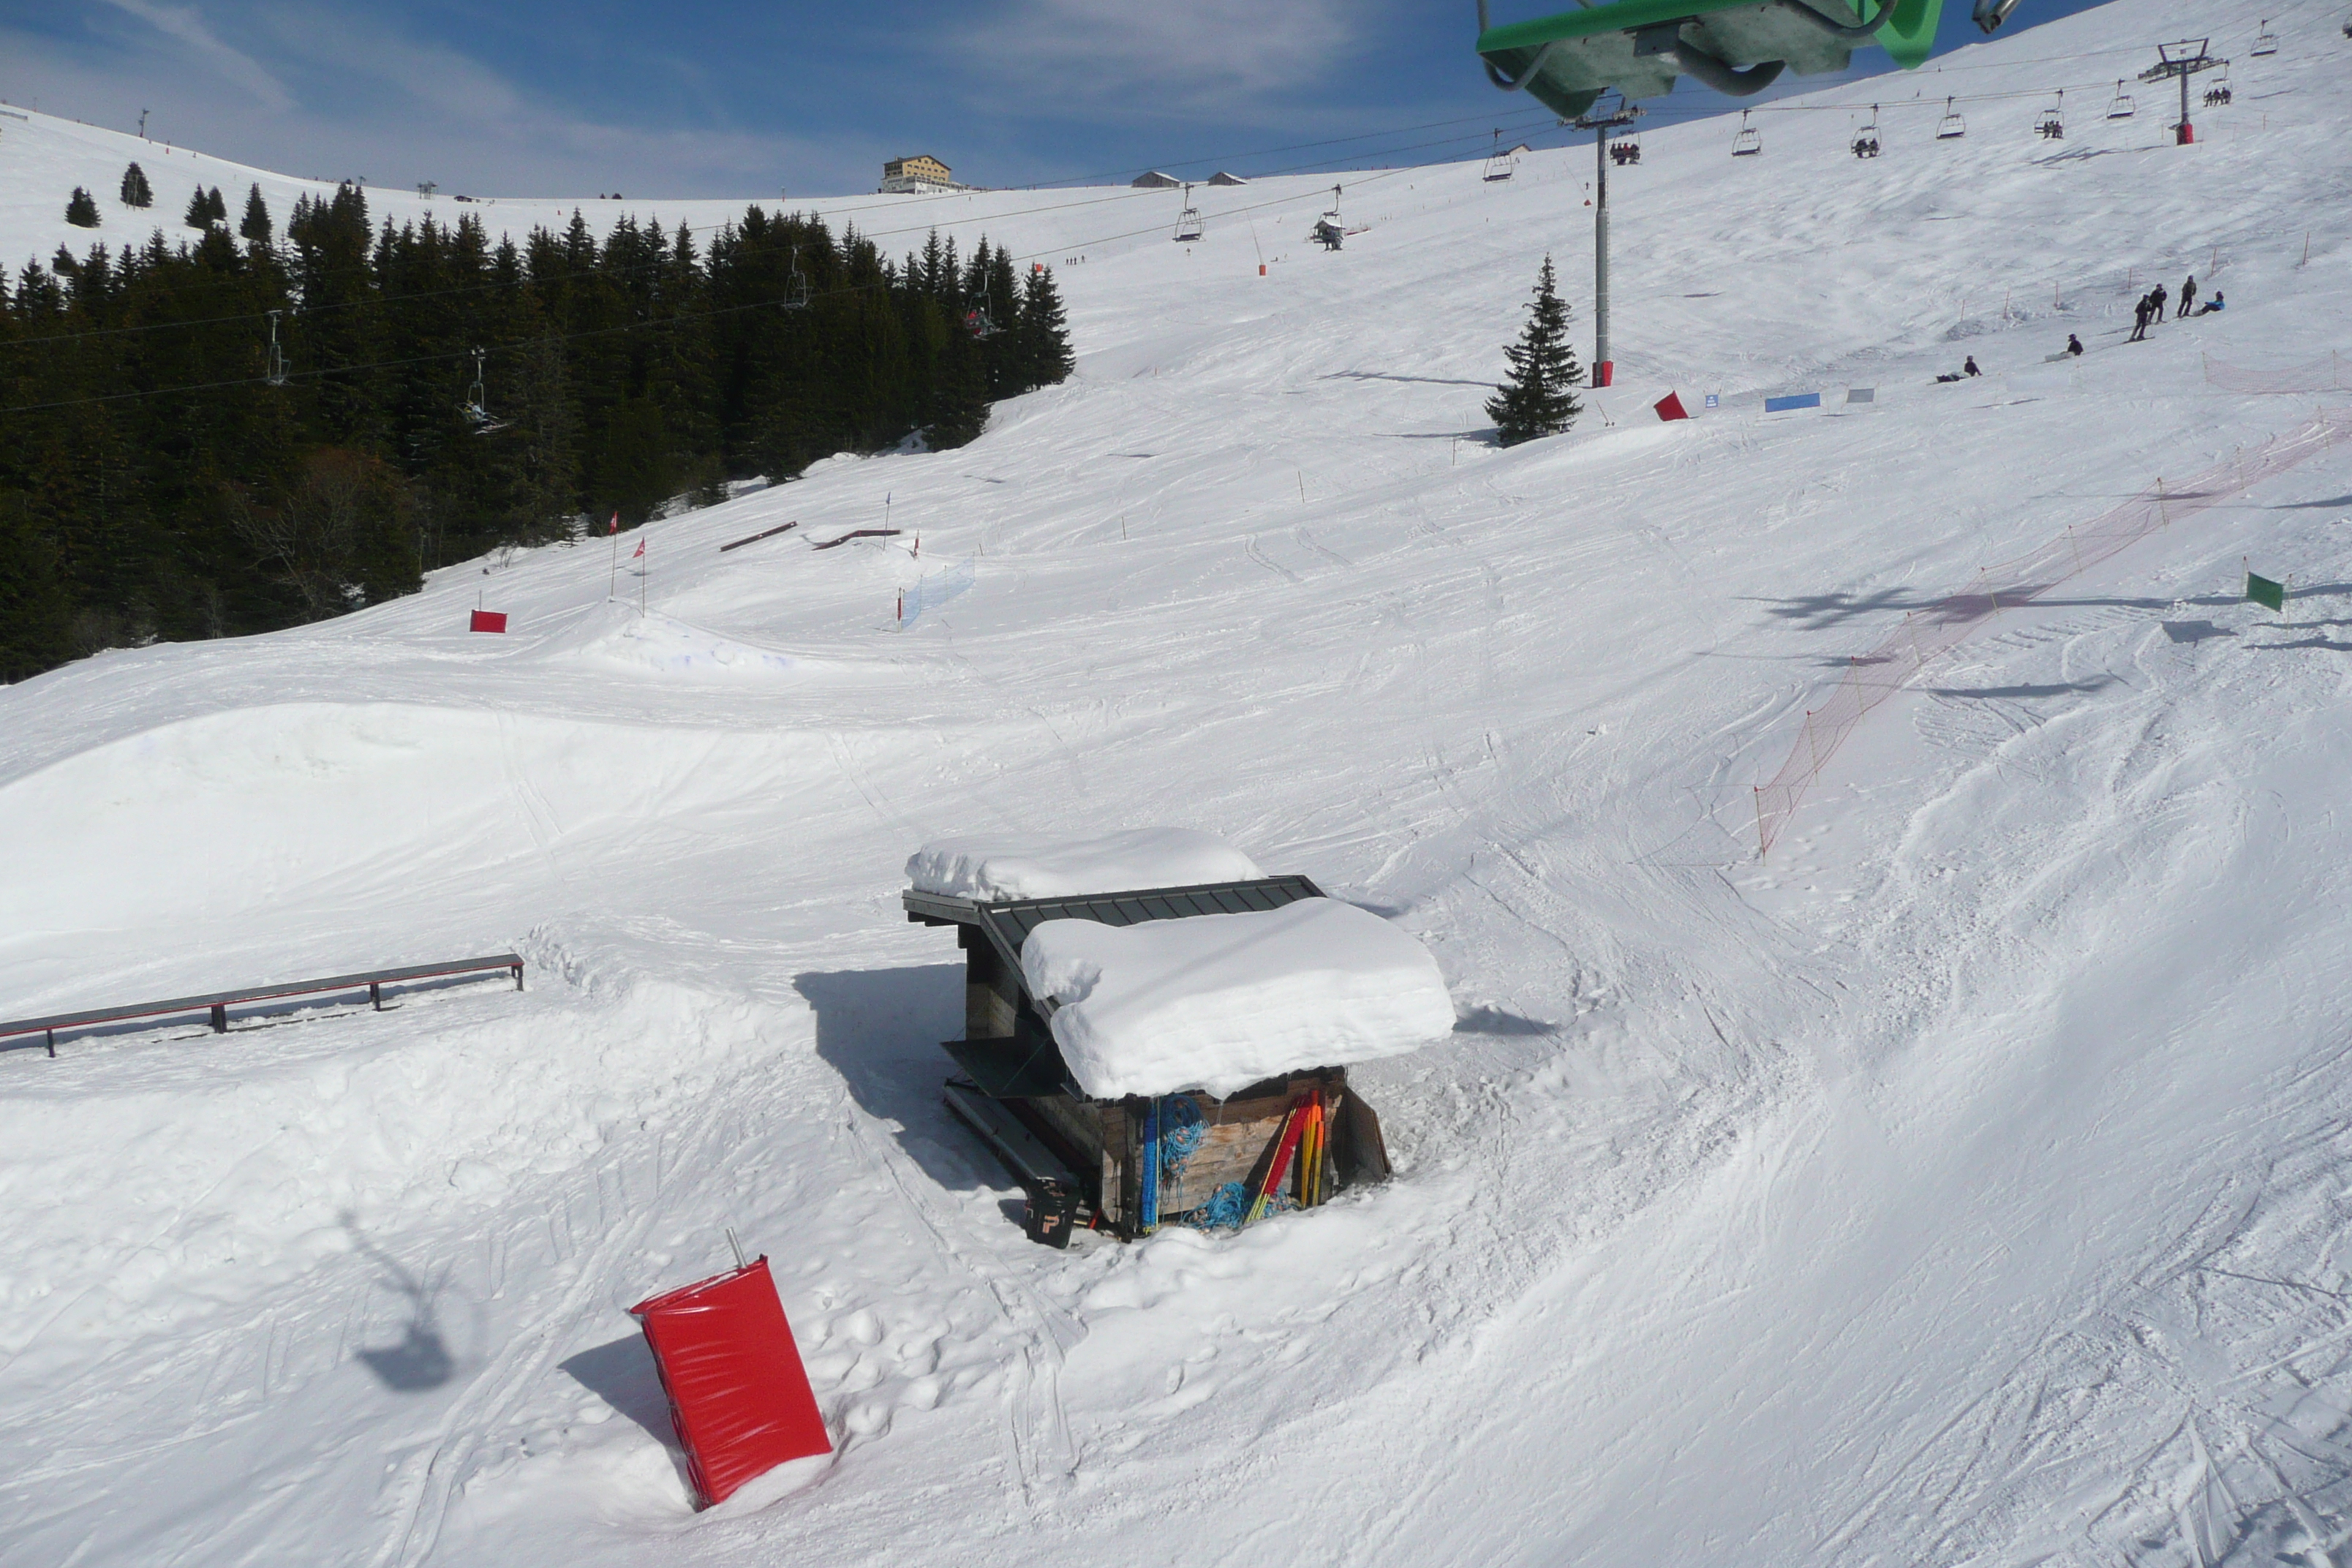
<point>640,550</point>
<point>616,525</point>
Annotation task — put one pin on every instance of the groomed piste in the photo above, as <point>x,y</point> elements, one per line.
<point>1959,1183</point>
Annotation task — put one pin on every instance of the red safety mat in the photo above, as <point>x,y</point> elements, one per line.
<point>738,1395</point>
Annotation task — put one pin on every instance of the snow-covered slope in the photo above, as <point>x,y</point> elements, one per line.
<point>1961,1183</point>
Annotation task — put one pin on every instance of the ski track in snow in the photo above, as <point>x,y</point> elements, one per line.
<point>1962,1185</point>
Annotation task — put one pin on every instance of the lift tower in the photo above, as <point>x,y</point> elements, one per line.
<point>1601,123</point>
<point>2182,60</point>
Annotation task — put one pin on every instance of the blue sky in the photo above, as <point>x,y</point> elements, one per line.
<point>694,99</point>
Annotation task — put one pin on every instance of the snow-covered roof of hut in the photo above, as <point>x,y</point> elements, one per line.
<point>1219,1002</point>
<point>993,868</point>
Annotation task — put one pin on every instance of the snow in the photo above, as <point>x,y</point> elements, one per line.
<point>1963,1183</point>
<point>1219,1002</point>
<point>995,868</point>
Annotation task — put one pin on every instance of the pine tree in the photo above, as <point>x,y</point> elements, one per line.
<point>216,209</point>
<point>1044,336</point>
<point>136,191</point>
<point>1535,399</point>
<point>255,226</point>
<point>81,211</point>
<point>200,211</point>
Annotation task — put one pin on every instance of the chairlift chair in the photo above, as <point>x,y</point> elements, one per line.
<point>2120,106</point>
<point>2051,125</point>
<point>1628,151</point>
<point>275,375</point>
<point>1329,231</point>
<point>1500,165</point>
<point>476,410</point>
<point>1188,222</point>
<point>1865,141</point>
<point>1749,141</point>
<point>2265,41</point>
<point>1951,128</point>
<point>796,288</point>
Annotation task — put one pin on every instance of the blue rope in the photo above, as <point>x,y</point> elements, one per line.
<point>1226,1208</point>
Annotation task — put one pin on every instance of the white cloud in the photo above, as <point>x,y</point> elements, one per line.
<point>1203,56</point>
<point>368,99</point>
<point>185,26</point>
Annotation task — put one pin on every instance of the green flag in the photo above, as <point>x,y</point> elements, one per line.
<point>2263,591</point>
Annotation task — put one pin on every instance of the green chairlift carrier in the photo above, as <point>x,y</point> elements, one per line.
<point>1737,47</point>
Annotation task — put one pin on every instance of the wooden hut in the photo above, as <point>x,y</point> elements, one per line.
<point>1130,1163</point>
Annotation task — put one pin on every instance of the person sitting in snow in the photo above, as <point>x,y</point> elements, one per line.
<point>2073,345</point>
<point>2209,306</point>
<point>1970,368</point>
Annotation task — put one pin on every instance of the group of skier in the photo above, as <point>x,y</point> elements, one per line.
<point>2151,308</point>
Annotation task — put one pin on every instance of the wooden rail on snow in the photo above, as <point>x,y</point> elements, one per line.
<point>220,1002</point>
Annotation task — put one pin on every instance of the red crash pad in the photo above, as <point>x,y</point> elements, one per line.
<point>1670,406</point>
<point>489,621</point>
<point>738,1395</point>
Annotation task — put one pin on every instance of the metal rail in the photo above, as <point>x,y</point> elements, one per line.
<point>220,1002</point>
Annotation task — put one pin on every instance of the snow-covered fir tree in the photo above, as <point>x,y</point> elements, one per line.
<point>136,191</point>
<point>81,211</point>
<point>1535,399</point>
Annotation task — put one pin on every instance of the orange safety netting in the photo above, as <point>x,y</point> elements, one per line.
<point>1927,634</point>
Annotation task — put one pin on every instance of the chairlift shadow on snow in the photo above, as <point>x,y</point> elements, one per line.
<point>421,1359</point>
<point>2313,505</point>
<point>880,1029</point>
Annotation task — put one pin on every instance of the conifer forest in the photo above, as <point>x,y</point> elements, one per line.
<point>233,432</point>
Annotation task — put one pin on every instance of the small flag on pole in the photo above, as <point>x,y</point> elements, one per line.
<point>2263,591</point>
<point>615,526</point>
<point>639,553</point>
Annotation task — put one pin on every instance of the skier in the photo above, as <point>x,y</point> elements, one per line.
<point>1970,368</point>
<point>2187,298</point>
<point>2156,300</point>
<point>2073,345</point>
<point>2139,319</point>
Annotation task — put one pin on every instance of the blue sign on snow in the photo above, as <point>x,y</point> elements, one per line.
<point>1713,401</point>
<point>1794,400</point>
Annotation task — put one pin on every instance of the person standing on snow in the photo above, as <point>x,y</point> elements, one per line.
<point>2157,299</point>
<point>2139,319</point>
<point>2187,298</point>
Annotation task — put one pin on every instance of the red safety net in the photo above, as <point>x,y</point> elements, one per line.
<point>738,1395</point>
<point>2333,374</point>
<point>1927,635</point>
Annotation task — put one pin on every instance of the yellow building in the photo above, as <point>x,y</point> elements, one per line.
<point>920,172</point>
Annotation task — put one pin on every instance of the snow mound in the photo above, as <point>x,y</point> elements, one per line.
<point>666,646</point>
<point>992,869</point>
<point>1218,1002</point>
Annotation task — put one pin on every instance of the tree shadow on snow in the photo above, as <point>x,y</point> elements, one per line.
<point>881,1030</point>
